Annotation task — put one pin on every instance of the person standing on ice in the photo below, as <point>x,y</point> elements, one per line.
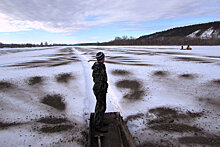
<point>100,89</point>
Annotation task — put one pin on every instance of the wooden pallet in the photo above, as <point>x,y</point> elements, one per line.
<point>118,134</point>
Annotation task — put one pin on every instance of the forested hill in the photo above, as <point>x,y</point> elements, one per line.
<point>203,31</point>
<point>199,34</point>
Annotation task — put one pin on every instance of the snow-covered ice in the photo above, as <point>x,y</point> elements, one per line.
<point>142,81</point>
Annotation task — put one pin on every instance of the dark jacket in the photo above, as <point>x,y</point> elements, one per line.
<point>99,77</point>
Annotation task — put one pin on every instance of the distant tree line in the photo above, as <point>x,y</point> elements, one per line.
<point>15,45</point>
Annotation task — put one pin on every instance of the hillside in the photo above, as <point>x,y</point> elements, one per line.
<point>203,31</point>
<point>199,34</point>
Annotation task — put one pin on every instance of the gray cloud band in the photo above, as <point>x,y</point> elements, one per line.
<point>73,15</point>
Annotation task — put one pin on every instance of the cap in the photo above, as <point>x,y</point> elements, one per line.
<point>100,56</point>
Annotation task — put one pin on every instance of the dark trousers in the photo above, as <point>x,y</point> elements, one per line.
<point>99,108</point>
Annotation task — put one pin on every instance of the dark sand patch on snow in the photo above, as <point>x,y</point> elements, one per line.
<point>35,80</point>
<point>51,62</point>
<point>119,72</point>
<point>64,77</point>
<point>213,57</point>
<point>68,49</point>
<point>201,140</point>
<point>59,64</point>
<point>162,127</point>
<point>173,53</point>
<point>5,85</point>
<point>165,112</point>
<point>55,101</point>
<point>171,120</point>
<point>192,59</point>
<point>52,120</point>
<point>187,76</point>
<point>123,60</point>
<point>135,87</point>
<point>4,125</point>
<point>131,63</point>
<point>54,129</point>
<point>161,111</point>
<point>134,117</point>
<point>172,127</point>
<point>160,73</point>
<point>216,82</point>
<point>212,101</point>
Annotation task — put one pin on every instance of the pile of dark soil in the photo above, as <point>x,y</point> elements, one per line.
<point>68,49</point>
<point>52,120</point>
<point>213,101</point>
<point>60,63</point>
<point>135,87</point>
<point>55,101</point>
<point>161,73</point>
<point>192,59</point>
<point>5,85</point>
<point>162,111</point>
<point>64,77</point>
<point>187,76</point>
<point>202,140</point>
<point>131,63</point>
<point>169,119</point>
<point>35,80</point>
<point>58,128</point>
<point>172,127</point>
<point>119,72</point>
<point>217,82</point>
<point>134,117</point>
<point>6,125</point>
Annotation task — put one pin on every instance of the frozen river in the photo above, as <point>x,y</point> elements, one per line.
<point>166,95</point>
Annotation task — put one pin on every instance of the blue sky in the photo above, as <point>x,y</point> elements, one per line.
<point>76,21</point>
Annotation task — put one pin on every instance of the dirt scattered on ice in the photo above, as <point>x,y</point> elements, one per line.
<point>7,125</point>
<point>192,59</point>
<point>187,76</point>
<point>213,56</point>
<point>162,124</point>
<point>134,117</point>
<point>59,64</point>
<point>64,77</point>
<point>135,88</point>
<point>52,120</point>
<point>56,60</point>
<point>119,72</point>
<point>123,60</point>
<point>162,111</point>
<point>216,82</point>
<point>68,49</point>
<point>31,64</point>
<point>173,127</point>
<point>58,128</point>
<point>201,140</point>
<point>55,101</point>
<point>132,63</point>
<point>170,120</point>
<point>161,73</point>
<point>35,80</point>
<point>172,53</point>
<point>4,85</point>
<point>120,58</point>
<point>212,101</point>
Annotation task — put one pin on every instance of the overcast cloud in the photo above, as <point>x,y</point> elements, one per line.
<point>74,15</point>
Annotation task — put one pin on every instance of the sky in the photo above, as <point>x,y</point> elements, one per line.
<point>80,21</point>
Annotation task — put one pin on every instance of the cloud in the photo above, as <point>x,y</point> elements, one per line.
<point>74,15</point>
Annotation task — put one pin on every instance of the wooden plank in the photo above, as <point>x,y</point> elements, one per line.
<point>118,134</point>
